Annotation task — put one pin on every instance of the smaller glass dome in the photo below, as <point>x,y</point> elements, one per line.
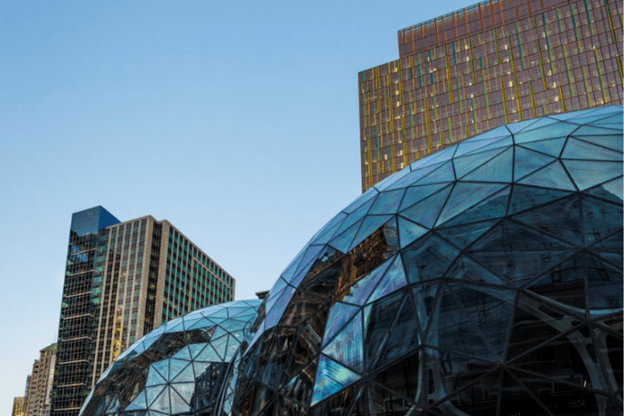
<point>177,367</point>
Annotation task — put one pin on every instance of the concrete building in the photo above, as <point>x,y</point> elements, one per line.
<point>124,279</point>
<point>486,65</point>
<point>39,384</point>
<point>18,406</point>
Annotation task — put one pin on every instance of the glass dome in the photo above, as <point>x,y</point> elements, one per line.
<point>178,367</point>
<point>484,279</point>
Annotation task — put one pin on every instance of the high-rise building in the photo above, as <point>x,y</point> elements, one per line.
<point>475,69</point>
<point>122,280</point>
<point>18,406</point>
<point>39,385</point>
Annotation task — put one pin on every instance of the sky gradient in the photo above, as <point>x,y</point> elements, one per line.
<point>236,121</point>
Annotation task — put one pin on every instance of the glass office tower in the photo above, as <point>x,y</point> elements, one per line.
<point>475,69</point>
<point>122,280</point>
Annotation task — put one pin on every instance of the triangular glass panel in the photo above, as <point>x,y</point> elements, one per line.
<point>377,324</point>
<point>387,183</point>
<point>494,206</point>
<point>464,196</point>
<point>520,125</point>
<point>154,392</point>
<point>444,173</point>
<point>528,161</point>
<point>588,173</point>
<point>208,354</point>
<point>371,224</point>
<point>497,169</point>
<point>139,403</point>
<point>200,367</point>
<point>565,283</point>
<point>464,235</point>
<point>426,211</point>
<point>339,314</point>
<point>561,219</point>
<point>219,345</point>
<point>467,270</point>
<point>200,323</point>
<point>466,164</point>
<point>615,119</point>
<point>232,347</point>
<point>601,219</point>
<point>596,131</point>
<point>557,129</point>
<point>403,337</point>
<point>551,147</point>
<point>361,290</point>
<point>162,403</point>
<point>510,236</point>
<point>394,279</point>
<point>162,367</point>
<point>409,231</point>
<point>154,378</point>
<point>370,193</point>
<point>579,149</point>
<point>611,244</point>
<point>475,145</point>
<point>524,197</point>
<point>274,315</point>
<point>186,374</point>
<point>343,240</point>
<point>612,141</point>
<point>349,402</point>
<point>176,367</point>
<point>495,145</point>
<point>611,191</point>
<point>429,259</point>
<point>346,347</point>
<point>175,326</point>
<point>456,331</point>
<point>330,378</point>
<point>493,134</point>
<point>414,176</point>
<point>354,217</point>
<point>387,202</point>
<point>552,176</point>
<point>179,403</point>
<point>604,285</point>
<point>309,256</point>
<point>329,229</point>
<point>278,286</point>
<point>183,354</point>
<point>416,194</point>
<point>434,159</point>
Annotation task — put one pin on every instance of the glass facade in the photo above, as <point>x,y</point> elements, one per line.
<point>485,279</point>
<point>177,368</point>
<point>475,69</point>
<point>123,279</point>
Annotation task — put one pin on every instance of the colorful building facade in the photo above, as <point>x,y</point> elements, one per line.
<point>486,65</point>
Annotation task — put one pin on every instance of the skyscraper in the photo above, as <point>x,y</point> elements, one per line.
<point>486,65</point>
<point>39,385</point>
<point>122,280</point>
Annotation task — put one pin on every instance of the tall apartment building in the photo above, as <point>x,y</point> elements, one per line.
<point>39,384</point>
<point>122,280</point>
<point>492,63</point>
<point>18,406</point>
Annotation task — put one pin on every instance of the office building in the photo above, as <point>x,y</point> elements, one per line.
<point>122,280</point>
<point>39,384</point>
<point>18,406</point>
<point>489,64</point>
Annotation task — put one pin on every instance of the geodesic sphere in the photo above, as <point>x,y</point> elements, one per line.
<point>178,367</point>
<point>484,279</point>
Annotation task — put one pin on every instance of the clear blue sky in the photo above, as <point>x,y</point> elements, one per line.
<point>236,121</point>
